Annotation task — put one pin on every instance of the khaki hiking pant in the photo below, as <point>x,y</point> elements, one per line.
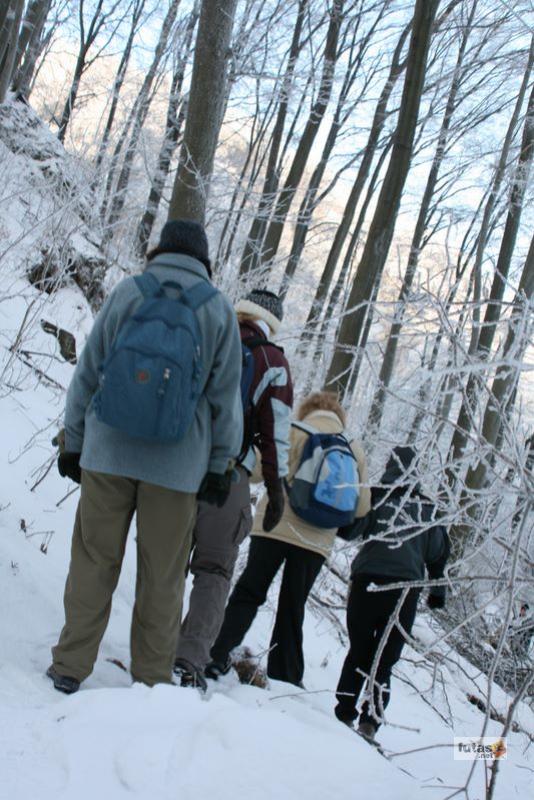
<point>165,520</point>
<point>216,539</point>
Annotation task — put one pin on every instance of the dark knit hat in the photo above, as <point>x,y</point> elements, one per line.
<point>263,305</point>
<point>184,236</point>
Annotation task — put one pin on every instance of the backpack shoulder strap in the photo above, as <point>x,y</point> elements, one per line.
<point>148,284</point>
<point>259,341</point>
<point>199,294</point>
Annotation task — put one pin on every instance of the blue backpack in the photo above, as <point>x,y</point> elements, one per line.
<point>325,488</point>
<point>150,382</point>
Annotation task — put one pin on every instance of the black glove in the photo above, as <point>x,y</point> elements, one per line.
<point>215,488</point>
<point>275,506</point>
<point>436,601</point>
<point>68,465</point>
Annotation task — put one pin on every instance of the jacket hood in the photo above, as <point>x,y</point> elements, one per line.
<point>178,261</point>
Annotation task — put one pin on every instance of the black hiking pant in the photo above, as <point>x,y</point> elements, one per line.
<point>368,614</point>
<point>301,567</point>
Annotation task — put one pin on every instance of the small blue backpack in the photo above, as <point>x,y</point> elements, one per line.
<point>325,488</point>
<point>150,382</point>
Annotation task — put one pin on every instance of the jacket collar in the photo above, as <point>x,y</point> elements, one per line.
<point>179,261</point>
<point>323,413</point>
<point>250,329</point>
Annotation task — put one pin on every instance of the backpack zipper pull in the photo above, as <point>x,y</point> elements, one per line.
<point>166,378</point>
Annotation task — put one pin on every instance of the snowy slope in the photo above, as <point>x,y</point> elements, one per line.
<point>112,740</point>
<point>115,740</point>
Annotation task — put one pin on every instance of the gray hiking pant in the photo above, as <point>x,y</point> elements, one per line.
<point>216,539</point>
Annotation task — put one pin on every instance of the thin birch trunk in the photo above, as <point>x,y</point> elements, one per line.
<point>136,121</point>
<point>176,112</point>
<point>118,82</point>
<point>250,256</point>
<point>298,165</point>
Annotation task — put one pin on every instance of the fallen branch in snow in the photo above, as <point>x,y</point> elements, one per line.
<point>25,358</point>
<point>59,502</point>
<point>421,694</point>
<point>497,716</point>
<point>420,749</point>
<point>50,464</point>
<point>118,663</point>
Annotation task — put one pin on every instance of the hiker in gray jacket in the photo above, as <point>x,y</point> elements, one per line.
<point>159,480</point>
<point>403,537</point>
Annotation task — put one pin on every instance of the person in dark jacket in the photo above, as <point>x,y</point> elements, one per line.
<point>403,537</point>
<point>219,531</point>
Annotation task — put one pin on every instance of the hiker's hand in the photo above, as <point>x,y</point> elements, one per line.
<point>68,465</point>
<point>436,601</point>
<point>275,505</point>
<point>215,488</point>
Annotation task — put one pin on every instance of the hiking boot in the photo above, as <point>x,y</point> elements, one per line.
<point>344,717</point>
<point>189,676</point>
<point>62,682</point>
<point>367,730</point>
<point>215,669</point>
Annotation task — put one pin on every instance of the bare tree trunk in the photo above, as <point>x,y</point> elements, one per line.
<point>383,223</point>
<point>317,112</point>
<point>72,96</point>
<point>8,44</point>
<point>176,112</point>
<point>28,44</point>
<point>250,257</point>
<point>502,390</point>
<point>204,116</point>
<point>137,12</point>
<point>500,173</point>
<point>135,122</point>
<point>4,11</point>
<point>493,310</point>
<point>344,273</point>
<point>99,20</point>
<point>341,114</point>
<point>377,126</point>
<point>37,55</point>
<point>253,164</point>
<point>388,362</point>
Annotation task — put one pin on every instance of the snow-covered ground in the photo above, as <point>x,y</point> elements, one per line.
<point>114,740</point>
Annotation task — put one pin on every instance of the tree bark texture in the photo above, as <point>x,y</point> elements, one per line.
<point>388,362</point>
<point>383,223</point>
<point>204,115</point>
<point>8,45</point>
<point>377,126</point>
